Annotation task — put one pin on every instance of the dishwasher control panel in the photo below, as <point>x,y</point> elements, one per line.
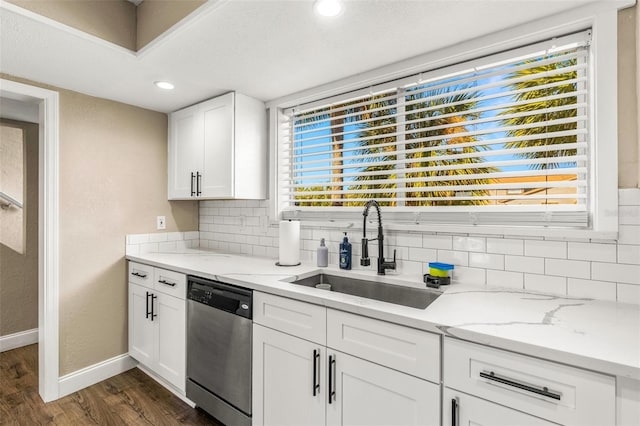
<point>227,297</point>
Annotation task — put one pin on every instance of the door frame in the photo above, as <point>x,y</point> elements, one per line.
<point>48,230</point>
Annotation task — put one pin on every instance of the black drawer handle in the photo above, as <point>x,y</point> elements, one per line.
<point>138,274</point>
<point>543,391</point>
<point>169,283</point>
<point>332,379</point>
<point>148,312</point>
<point>316,361</point>
<point>454,412</point>
<point>153,311</point>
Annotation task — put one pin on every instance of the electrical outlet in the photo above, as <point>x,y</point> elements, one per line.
<point>161,222</point>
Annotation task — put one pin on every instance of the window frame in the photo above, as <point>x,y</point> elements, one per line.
<point>603,178</point>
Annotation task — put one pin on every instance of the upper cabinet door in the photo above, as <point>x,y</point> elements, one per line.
<point>218,149</point>
<point>186,141</point>
<point>217,175</point>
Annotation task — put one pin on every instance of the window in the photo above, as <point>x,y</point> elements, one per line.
<point>501,139</point>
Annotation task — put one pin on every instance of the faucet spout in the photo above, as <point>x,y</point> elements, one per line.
<point>365,261</point>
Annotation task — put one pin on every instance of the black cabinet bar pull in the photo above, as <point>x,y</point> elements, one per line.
<point>147,314</point>
<point>332,381</point>
<point>138,274</point>
<point>192,191</point>
<point>454,412</point>
<point>167,283</point>
<point>544,391</point>
<point>198,183</point>
<point>316,360</point>
<point>153,314</point>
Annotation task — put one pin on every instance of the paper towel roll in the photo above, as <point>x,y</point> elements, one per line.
<point>289,252</point>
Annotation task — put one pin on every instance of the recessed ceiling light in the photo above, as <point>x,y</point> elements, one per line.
<point>164,85</point>
<point>327,7</point>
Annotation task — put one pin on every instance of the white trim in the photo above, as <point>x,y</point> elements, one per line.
<point>166,385</point>
<point>95,373</point>
<point>48,264</point>
<point>18,340</point>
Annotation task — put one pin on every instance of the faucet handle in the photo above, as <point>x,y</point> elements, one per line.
<point>394,260</point>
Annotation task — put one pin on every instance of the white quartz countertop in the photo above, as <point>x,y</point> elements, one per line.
<point>597,335</point>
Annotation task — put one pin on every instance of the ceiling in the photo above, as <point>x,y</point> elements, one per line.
<point>263,48</point>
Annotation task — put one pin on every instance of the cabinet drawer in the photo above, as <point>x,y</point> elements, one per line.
<point>141,274</point>
<point>300,319</point>
<point>170,282</point>
<point>559,393</point>
<point>402,348</point>
<point>469,410</point>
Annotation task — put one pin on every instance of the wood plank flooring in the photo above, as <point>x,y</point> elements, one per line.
<point>131,398</point>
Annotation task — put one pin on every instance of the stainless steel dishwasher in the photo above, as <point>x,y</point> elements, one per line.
<point>219,320</point>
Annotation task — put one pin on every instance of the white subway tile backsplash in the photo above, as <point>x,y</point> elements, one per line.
<point>629,197</point>
<point>628,274</point>
<point>553,249</point>
<point>505,279</point>
<point>462,274</point>
<point>167,246</point>
<point>409,240</point>
<point>137,239</point>
<point>486,260</point>
<point>444,242</point>
<point>157,238</point>
<point>628,293</point>
<point>534,265</point>
<point>567,268</point>
<point>629,234</point>
<point>592,251</point>
<point>629,215</point>
<point>505,246</point>
<point>628,254</point>
<point>558,265</point>
<point>422,255</point>
<point>601,290</point>
<point>475,244</point>
<point>454,257</point>
<point>545,284</point>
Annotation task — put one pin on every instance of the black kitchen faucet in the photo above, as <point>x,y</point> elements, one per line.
<point>365,261</point>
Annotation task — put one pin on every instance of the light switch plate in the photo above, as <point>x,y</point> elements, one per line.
<point>161,222</point>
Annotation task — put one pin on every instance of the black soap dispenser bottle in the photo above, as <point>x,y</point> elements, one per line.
<point>345,253</point>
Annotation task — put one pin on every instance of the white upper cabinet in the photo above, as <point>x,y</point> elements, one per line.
<point>218,149</point>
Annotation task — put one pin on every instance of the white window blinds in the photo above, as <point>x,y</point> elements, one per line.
<point>474,142</point>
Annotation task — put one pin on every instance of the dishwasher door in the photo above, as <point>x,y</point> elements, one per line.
<point>219,343</point>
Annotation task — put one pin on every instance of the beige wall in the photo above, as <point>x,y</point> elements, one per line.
<point>19,268</point>
<point>113,182</point>
<point>111,20</point>
<point>628,109</point>
<point>157,16</point>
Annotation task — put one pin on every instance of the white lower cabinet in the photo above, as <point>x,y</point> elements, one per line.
<point>369,394</point>
<point>297,380</point>
<point>542,389</point>
<point>285,369</point>
<point>157,326</point>
<point>459,409</point>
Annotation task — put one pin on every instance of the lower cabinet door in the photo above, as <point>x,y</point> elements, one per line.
<point>171,323</point>
<point>288,380</point>
<point>460,409</point>
<point>142,343</point>
<point>363,393</point>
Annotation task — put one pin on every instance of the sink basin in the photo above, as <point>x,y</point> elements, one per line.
<point>418,298</point>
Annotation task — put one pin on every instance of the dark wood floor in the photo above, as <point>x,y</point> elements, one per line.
<point>131,398</point>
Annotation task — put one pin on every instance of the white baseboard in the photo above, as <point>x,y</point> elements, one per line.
<point>177,392</point>
<point>93,374</point>
<point>18,340</point>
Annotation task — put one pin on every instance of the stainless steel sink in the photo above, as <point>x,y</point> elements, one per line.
<point>418,298</point>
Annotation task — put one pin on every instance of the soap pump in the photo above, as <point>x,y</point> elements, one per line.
<point>323,254</point>
<point>345,253</point>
